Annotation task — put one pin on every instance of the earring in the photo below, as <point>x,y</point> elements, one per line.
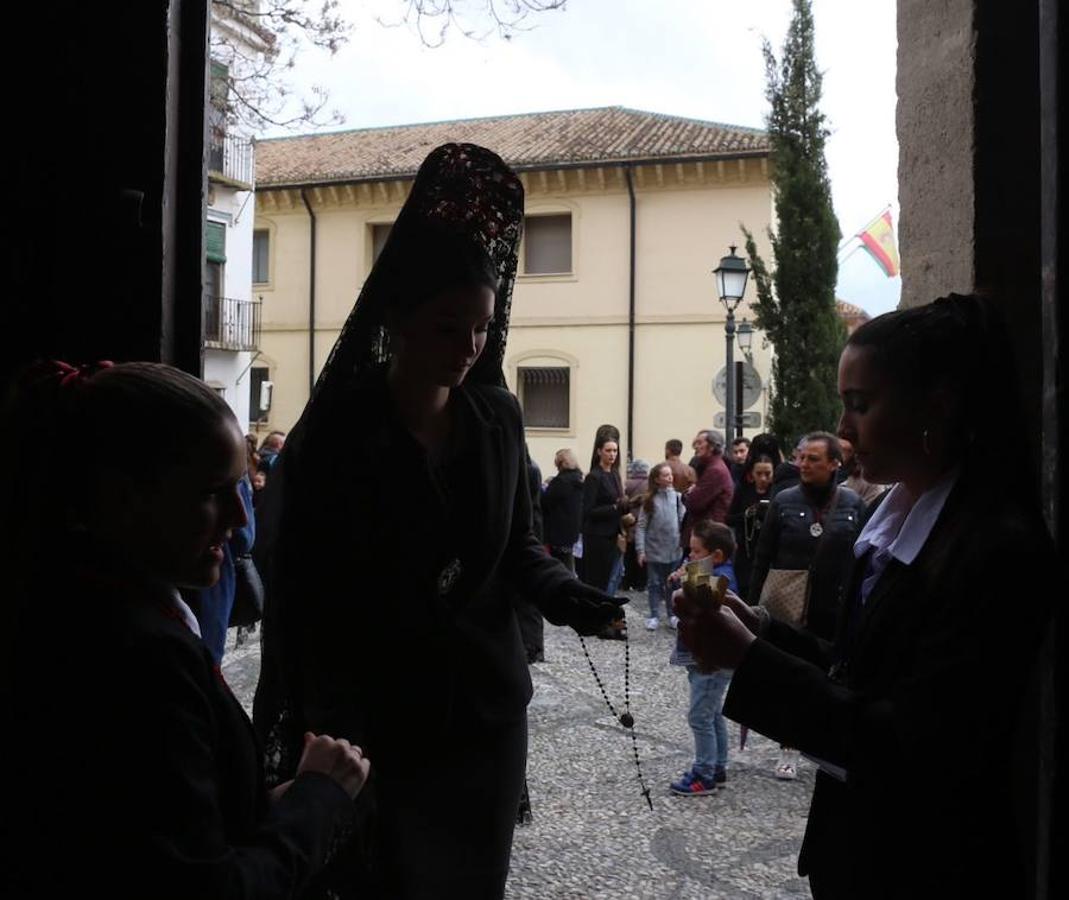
<point>924,443</point>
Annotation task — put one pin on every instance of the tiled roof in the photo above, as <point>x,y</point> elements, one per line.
<point>848,310</point>
<point>611,134</point>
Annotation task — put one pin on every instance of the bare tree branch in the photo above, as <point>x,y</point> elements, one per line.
<point>258,41</point>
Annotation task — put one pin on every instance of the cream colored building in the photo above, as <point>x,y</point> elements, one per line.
<point>627,214</point>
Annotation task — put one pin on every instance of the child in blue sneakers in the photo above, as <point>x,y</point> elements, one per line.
<point>707,689</point>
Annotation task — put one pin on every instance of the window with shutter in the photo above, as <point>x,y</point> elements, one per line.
<point>215,242</point>
<point>548,245</point>
<point>545,395</point>
<point>218,97</point>
<point>257,376</point>
<point>261,247</point>
<point>379,233</point>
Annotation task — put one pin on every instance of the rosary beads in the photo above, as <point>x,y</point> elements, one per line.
<point>625,719</point>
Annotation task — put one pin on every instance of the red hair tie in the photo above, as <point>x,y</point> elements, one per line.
<point>69,374</point>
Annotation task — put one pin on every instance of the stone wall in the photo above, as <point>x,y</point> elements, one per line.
<point>935,121</point>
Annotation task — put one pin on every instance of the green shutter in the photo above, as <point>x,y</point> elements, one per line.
<point>218,85</point>
<point>215,242</point>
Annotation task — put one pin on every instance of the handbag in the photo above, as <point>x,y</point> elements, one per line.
<point>785,595</point>
<point>248,606</point>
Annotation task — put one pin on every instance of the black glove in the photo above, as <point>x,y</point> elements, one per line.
<point>583,607</point>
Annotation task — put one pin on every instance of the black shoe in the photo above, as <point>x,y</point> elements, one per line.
<point>720,778</point>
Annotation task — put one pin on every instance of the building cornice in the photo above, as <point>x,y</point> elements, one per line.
<point>539,181</point>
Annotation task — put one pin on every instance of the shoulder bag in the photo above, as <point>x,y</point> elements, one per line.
<point>785,593</point>
<point>248,606</point>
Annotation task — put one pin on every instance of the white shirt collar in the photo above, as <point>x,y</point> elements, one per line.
<point>185,612</point>
<point>900,530</point>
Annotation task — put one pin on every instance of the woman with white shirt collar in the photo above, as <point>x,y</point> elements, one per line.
<point>914,715</point>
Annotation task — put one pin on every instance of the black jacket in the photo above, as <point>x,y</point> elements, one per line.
<point>746,517</point>
<point>132,767</point>
<point>390,610</point>
<point>787,543</point>
<point>785,477</point>
<point>602,492</point>
<point>562,508</point>
<point>932,675</point>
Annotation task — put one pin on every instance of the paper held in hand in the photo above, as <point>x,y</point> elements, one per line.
<point>701,587</point>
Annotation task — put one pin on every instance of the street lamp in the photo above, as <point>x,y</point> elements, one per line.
<point>731,277</point>
<point>745,337</point>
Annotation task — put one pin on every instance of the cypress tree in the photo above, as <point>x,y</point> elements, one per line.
<point>796,301</point>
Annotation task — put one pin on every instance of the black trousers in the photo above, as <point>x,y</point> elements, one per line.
<point>635,578</point>
<point>600,553</point>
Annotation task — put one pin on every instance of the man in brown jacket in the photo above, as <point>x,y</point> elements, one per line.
<point>711,497</point>
<point>683,476</point>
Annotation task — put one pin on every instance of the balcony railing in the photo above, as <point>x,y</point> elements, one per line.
<point>231,324</point>
<point>231,157</point>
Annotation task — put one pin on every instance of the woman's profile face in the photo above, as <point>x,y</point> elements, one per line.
<point>877,418</point>
<point>607,454</point>
<point>665,477</point>
<point>440,340</point>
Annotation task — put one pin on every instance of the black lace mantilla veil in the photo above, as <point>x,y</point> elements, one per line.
<point>463,191</point>
<point>460,188</point>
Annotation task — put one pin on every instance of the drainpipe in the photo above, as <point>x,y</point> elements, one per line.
<point>631,326</point>
<point>311,295</point>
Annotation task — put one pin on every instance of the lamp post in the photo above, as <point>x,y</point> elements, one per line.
<point>745,335</point>
<point>745,332</point>
<point>731,277</point>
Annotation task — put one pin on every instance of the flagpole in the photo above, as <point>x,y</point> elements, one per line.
<point>844,258</point>
<point>857,234</point>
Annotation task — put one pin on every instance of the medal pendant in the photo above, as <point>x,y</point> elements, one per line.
<point>448,577</point>
<point>816,529</point>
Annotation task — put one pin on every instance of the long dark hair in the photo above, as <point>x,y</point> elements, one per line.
<point>955,343</point>
<point>652,488</point>
<point>760,446</point>
<point>602,436</point>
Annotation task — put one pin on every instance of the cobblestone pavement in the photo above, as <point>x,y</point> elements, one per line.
<point>593,837</point>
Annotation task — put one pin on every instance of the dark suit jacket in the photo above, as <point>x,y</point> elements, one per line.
<point>390,611</point>
<point>601,492</point>
<point>562,503</point>
<point>932,675</point>
<point>132,771</point>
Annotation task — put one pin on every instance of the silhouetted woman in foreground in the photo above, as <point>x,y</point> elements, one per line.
<point>132,771</point>
<point>915,711</point>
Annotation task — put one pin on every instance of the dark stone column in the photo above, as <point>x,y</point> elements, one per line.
<point>979,125</point>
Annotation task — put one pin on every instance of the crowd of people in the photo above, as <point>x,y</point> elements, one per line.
<point>754,512</point>
<point>387,749</point>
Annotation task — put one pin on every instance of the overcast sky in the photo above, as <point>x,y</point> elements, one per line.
<point>696,58</point>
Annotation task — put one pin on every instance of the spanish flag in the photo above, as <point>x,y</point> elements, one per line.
<point>879,240</point>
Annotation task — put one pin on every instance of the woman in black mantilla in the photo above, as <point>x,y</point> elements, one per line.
<point>389,608</point>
